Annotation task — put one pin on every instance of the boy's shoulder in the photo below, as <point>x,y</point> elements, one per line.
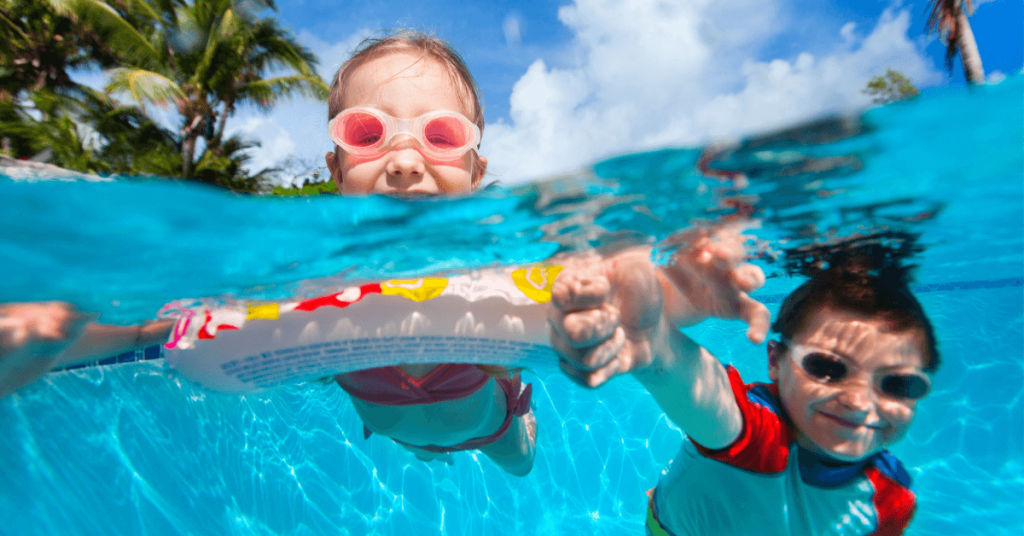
<point>890,466</point>
<point>768,438</point>
<point>764,443</point>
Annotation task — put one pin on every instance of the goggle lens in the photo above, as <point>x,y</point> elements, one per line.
<point>910,386</point>
<point>825,368</point>
<point>828,369</point>
<point>362,130</point>
<point>445,133</point>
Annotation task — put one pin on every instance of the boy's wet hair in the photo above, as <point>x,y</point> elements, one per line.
<point>863,275</point>
<point>408,41</point>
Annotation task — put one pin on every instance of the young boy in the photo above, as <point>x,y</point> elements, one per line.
<point>802,455</point>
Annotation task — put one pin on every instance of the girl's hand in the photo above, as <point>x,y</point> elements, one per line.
<point>32,336</point>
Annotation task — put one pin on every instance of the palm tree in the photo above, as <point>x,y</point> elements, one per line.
<point>45,39</point>
<point>212,58</point>
<point>949,19</point>
<point>88,132</point>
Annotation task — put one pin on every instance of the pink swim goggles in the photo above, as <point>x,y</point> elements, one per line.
<point>442,134</point>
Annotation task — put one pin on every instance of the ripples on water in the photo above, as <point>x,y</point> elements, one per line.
<point>134,449</point>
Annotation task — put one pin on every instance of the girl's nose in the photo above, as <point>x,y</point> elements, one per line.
<point>404,161</point>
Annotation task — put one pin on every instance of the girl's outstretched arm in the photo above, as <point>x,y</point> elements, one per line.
<point>38,337</point>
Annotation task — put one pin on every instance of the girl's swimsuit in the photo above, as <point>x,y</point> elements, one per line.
<point>391,386</point>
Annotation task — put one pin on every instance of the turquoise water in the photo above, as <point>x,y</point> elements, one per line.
<point>135,449</point>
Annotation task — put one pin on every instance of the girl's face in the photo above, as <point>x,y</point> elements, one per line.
<point>852,419</point>
<point>405,85</point>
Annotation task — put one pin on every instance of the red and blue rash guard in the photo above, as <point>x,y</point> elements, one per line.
<point>765,484</point>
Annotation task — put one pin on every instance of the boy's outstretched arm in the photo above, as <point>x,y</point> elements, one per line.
<point>38,337</point>
<point>621,314</point>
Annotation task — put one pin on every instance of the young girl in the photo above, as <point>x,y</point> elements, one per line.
<point>406,119</point>
<point>804,454</point>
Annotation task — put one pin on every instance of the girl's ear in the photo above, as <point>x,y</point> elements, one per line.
<point>774,355</point>
<point>479,169</point>
<point>332,165</point>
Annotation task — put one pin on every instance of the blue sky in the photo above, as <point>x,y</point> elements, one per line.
<point>571,81</point>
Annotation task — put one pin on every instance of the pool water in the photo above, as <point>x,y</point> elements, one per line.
<point>135,449</point>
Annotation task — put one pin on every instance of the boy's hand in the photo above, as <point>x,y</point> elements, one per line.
<point>709,279</point>
<point>607,315</point>
<point>611,313</point>
<point>32,335</point>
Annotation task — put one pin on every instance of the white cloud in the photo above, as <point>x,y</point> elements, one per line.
<point>652,73</point>
<point>276,143</point>
<point>512,27</point>
<point>995,77</point>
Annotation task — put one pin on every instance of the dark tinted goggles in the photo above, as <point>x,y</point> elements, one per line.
<point>831,369</point>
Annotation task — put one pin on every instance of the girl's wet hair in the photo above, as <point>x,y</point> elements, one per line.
<point>409,41</point>
<point>864,275</point>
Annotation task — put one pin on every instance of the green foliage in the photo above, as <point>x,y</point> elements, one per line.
<point>204,58</point>
<point>308,188</point>
<point>41,44</point>
<point>88,132</point>
<point>215,56</point>
<point>226,167</point>
<point>892,87</point>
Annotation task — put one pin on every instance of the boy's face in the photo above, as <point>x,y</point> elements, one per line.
<point>405,85</point>
<point>852,419</point>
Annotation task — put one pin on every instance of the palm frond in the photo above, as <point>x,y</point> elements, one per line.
<point>274,48</point>
<point>145,86</point>
<point>116,32</point>
<point>14,28</point>
<point>944,20</point>
<point>142,7</point>
<point>227,25</point>
<point>266,92</point>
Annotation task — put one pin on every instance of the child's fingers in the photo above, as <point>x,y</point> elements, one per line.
<point>581,288</point>
<point>587,327</point>
<point>45,320</point>
<point>574,374</point>
<point>757,317</point>
<point>13,332</point>
<point>605,373</point>
<point>748,277</point>
<point>589,378</point>
<point>592,358</point>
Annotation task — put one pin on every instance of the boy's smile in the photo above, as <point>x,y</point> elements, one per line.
<point>851,419</point>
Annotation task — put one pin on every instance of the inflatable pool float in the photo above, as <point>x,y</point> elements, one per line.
<point>496,317</point>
